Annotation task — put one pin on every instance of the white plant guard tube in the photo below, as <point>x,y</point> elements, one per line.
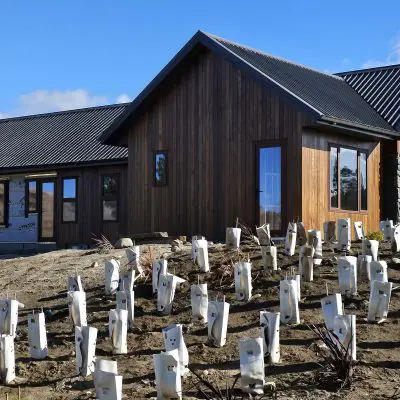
<point>37,336</point>
<point>243,285</point>
<point>107,382</point>
<point>202,256</point>
<point>168,377</point>
<point>289,305</point>
<point>8,317</point>
<point>218,313</point>
<point>344,234</point>
<point>252,375</point>
<point>126,301</point>
<point>195,245</point>
<point>7,358</point>
<point>331,307</point>
<point>307,266</point>
<point>199,302</point>
<point>345,330</point>
<point>348,275</point>
<point>269,257</point>
<point>297,279</point>
<point>301,237</point>
<point>290,240</point>
<point>173,339</point>
<point>117,330</point>
<point>85,349</point>
<point>77,308</point>
<point>111,276</point>
<point>329,232</point>
<point>364,268</point>
<point>378,271</point>
<point>159,268</point>
<point>264,235</point>
<point>305,252</point>
<point>127,280</point>
<point>396,239</point>
<point>359,230</point>
<point>75,284</point>
<point>269,322</point>
<point>314,240</point>
<point>370,248</point>
<point>133,256</point>
<point>232,238</point>
<point>166,293</point>
<point>386,228</point>
<point>379,301</point>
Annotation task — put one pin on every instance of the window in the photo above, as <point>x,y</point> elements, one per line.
<point>110,197</point>
<point>160,168</point>
<point>30,197</point>
<point>348,179</point>
<point>4,203</point>
<point>69,199</point>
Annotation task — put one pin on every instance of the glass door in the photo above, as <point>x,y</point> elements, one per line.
<point>47,210</point>
<point>270,187</point>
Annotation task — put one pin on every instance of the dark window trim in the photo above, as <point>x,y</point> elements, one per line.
<point>27,197</point>
<point>155,152</point>
<point>110,197</point>
<point>70,199</point>
<point>359,151</point>
<point>5,223</point>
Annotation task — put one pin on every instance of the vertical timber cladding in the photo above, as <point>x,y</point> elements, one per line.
<point>315,181</point>
<point>209,119</point>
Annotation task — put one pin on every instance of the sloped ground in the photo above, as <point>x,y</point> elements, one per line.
<point>40,281</point>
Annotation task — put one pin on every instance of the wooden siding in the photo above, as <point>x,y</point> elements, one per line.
<point>90,217</point>
<point>210,120</point>
<point>315,182</point>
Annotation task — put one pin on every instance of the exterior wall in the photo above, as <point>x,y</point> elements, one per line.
<point>315,178</point>
<point>89,208</point>
<point>20,228</point>
<point>210,120</point>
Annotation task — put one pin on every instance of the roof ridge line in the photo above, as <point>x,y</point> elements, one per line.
<point>372,69</point>
<point>73,110</point>
<point>271,55</point>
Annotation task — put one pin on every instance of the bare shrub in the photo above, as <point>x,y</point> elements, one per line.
<point>102,244</point>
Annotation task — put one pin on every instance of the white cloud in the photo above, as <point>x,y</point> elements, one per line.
<point>43,101</point>
<point>123,98</point>
<point>393,56</point>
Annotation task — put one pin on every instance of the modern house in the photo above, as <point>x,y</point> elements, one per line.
<point>58,184</point>
<point>226,131</point>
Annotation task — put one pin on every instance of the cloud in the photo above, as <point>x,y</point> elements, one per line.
<point>393,56</point>
<point>44,101</point>
<point>123,98</point>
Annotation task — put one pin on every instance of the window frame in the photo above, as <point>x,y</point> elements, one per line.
<point>359,151</point>
<point>27,197</point>
<point>155,153</point>
<point>110,197</point>
<point>70,199</point>
<point>5,222</point>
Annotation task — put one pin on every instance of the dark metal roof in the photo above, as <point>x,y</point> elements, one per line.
<point>59,138</point>
<point>380,88</point>
<point>323,95</point>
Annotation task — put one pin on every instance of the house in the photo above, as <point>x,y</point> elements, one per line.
<point>58,184</point>
<point>226,131</point>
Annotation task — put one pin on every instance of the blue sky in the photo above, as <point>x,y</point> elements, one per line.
<point>68,54</point>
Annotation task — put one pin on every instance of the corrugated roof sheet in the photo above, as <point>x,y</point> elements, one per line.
<point>379,87</point>
<point>59,138</point>
<point>329,94</point>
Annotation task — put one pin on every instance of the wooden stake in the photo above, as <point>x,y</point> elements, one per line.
<point>327,291</point>
<point>237,221</point>
<point>19,392</point>
<point>198,279</point>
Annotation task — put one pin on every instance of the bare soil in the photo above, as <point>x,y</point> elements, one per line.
<point>40,282</point>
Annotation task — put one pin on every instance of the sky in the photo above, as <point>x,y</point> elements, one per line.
<point>58,55</point>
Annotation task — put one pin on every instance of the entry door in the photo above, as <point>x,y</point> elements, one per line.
<point>270,187</point>
<point>47,210</point>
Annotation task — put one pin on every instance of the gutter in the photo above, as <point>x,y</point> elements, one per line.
<point>359,128</point>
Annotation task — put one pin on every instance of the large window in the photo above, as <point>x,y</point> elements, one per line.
<point>110,197</point>
<point>160,168</point>
<point>69,200</point>
<point>4,203</point>
<point>31,197</point>
<point>348,179</point>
